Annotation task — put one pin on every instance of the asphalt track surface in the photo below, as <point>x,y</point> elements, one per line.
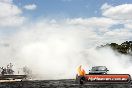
<point>67,83</point>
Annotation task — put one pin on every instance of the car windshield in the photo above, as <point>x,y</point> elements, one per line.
<point>98,68</point>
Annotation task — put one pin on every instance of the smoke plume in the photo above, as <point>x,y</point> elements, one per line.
<point>54,50</point>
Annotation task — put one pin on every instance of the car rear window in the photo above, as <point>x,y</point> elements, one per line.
<point>98,68</point>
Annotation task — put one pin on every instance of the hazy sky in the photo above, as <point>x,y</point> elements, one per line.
<point>105,17</point>
<point>68,8</point>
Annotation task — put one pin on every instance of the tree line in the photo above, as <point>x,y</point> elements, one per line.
<point>123,48</point>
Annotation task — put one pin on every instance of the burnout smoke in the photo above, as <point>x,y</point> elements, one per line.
<point>54,50</point>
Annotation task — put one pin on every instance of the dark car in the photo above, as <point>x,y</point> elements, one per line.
<point>98,70</point>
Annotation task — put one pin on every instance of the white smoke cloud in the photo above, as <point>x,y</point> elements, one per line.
<point>115,62</point>
<point>55,50</point>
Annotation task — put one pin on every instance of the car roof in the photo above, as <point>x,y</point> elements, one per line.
<point>99,66</point>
